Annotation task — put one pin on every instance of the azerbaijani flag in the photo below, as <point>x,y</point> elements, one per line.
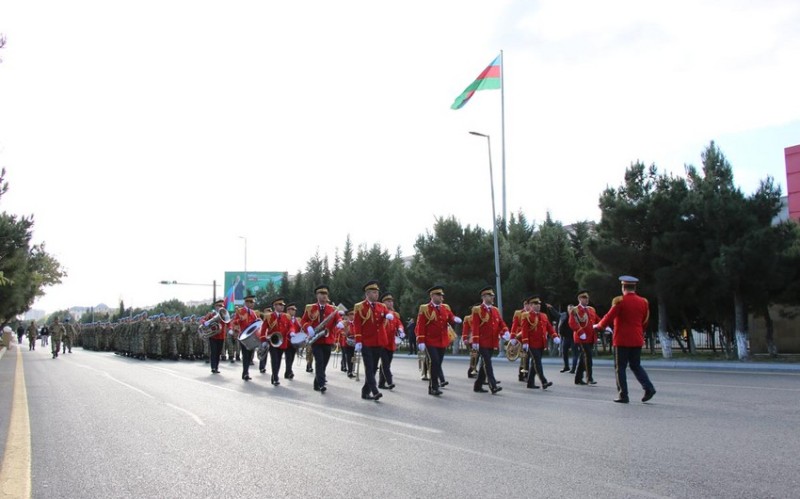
<point>489,79</point>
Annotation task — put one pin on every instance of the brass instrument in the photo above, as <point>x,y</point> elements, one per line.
<point>451,334</point>
<point>212,326</point>
<point>275,339</point>
<point>262,352</point>
<point>424,361</point>
<point>513,351</point>
<point>473,362</point>
<point>320,330</point>
<point>357,362</point>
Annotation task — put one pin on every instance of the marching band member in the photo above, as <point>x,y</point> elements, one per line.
<point>392,329</point>
<point>487,327</point>
<point>217,341</point>
<point>516,332</point>
<point>466,339</point>
<point>582,319</point>
<point>313,315</point>
<point>291,350</point>
<point>630,314</point>
<point>276,322</point>
<point>347,342</point>
<point>432,336</point>
<point>535,328</point>
<point>368,329</point>
<point>243,318</point>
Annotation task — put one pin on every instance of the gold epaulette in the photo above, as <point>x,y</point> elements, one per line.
<point>518,313</point>
<point>476,309</point>
<point>616,300</point>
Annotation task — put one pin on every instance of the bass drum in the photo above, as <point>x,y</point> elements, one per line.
<point>299,339</point>
<point>249,337</point>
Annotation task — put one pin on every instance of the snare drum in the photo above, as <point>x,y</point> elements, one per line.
<point>299,339</point>
<point>249,337</point>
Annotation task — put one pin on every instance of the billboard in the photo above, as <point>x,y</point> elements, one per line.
<point>240,284</point>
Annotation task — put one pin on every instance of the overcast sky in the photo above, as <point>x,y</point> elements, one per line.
<point>146,137</point>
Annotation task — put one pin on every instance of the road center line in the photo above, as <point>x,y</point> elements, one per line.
<point>15,471</point>
<point>191,414</point>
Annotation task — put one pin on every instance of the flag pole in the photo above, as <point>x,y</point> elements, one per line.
<point>503,133</point>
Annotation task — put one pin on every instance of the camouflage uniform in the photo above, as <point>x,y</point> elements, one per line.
<point>32,334</point>
<point>56,333</point>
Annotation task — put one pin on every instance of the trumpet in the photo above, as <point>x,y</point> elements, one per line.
<point>357,362</point>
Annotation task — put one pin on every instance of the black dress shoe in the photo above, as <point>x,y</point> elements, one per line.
<point>434,392</point>
<point>309,370</point>
<point>425,379</point>
<point>545,385</point>
<point>246,378</point>
<point>533,387</point>
<point>581,382</point>
<point>592,382</point>
<point>648,394</point>
<point>572,371</point>
<point>496,389</point>
<point>323,388</point>
<point>316,388</point>
<point>390,386</point>
<point>622,400</point>
<point>367,396</point>
<point>351,375</point>
<point>564,370</point>
<point>480,390</point>
<point>276,383</point>
<point>232,361</point>
<point>377,396</point>
<point>214,371</point>
<point>444,383</point>
<point>382,387</point>
<point>262,371</point>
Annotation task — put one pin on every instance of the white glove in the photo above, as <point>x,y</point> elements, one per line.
<point>506,336</point>
<point>310,330</point>
<point>421,347</point>
<point>263,344</point>
<point>582,336</point>
<point>402,334</point>
<point>341,313</point>
<point>358,347</point>
<point>513,341</point>
<point>525,347</point>
<point>291,335</point>
<point>389,317</point>
<point>457,320</point>
<point>557,340</point>
<point>340,325</point>
<point>596,327</point>
<point>475,346</point>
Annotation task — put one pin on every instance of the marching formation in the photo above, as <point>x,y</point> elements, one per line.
<point>370,332</point>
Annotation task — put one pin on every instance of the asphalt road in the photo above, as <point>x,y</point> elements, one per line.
<point>105,426</point>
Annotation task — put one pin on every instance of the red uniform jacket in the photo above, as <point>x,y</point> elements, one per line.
<point>487,326</point>
<point>368,323</point>
<point>535,328</point>
<point>391,330</point>
<point>432,325</point>
<point>313,315</point>
<point>341,337</point>
<point>466,332</point>
<point>516,327</point>
<point>276,323</point>
<point>582,320</point>
<point>223,330</point>
<point>243,318</point>
<point>629,314</point>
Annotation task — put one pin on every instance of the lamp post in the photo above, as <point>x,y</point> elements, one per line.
<point>213,283</point>
<point>494,226</point>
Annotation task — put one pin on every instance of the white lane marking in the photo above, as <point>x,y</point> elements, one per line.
<point>112,378</point>
<point>743,372</point>
<point>191,414</point>
<point>730,386</point>
<point>319,408</point>
<point>630,490</point>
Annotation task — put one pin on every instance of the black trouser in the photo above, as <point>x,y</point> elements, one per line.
<point>535,366</point>
<point>290,353</point>
<point>215,349</point>
<point>566,350</point>
<point>370,355</point>
<point>576,352</point>
<point>275,362</point>
<point>262,362</point>
<point>386,377</point>
<point>486,371</point>
<point>412,344</point>
<point>436,355</point>
<point>347,358</point>
<point>247,358</point>
<point>584,362</point>
<point>630,356</point>
<point>322,354</point>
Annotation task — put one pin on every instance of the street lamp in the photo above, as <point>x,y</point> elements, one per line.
<point>213,283</point>
<point>494,226</point>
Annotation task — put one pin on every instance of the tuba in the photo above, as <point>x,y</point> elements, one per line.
<point>212,326</point>
<point>275,340</point>
<point>513,351</point>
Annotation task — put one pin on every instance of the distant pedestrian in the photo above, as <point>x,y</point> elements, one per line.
<point>44,334</point>
<point>412,337</point>
<point>629,314</point>
<point>20,333</point>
